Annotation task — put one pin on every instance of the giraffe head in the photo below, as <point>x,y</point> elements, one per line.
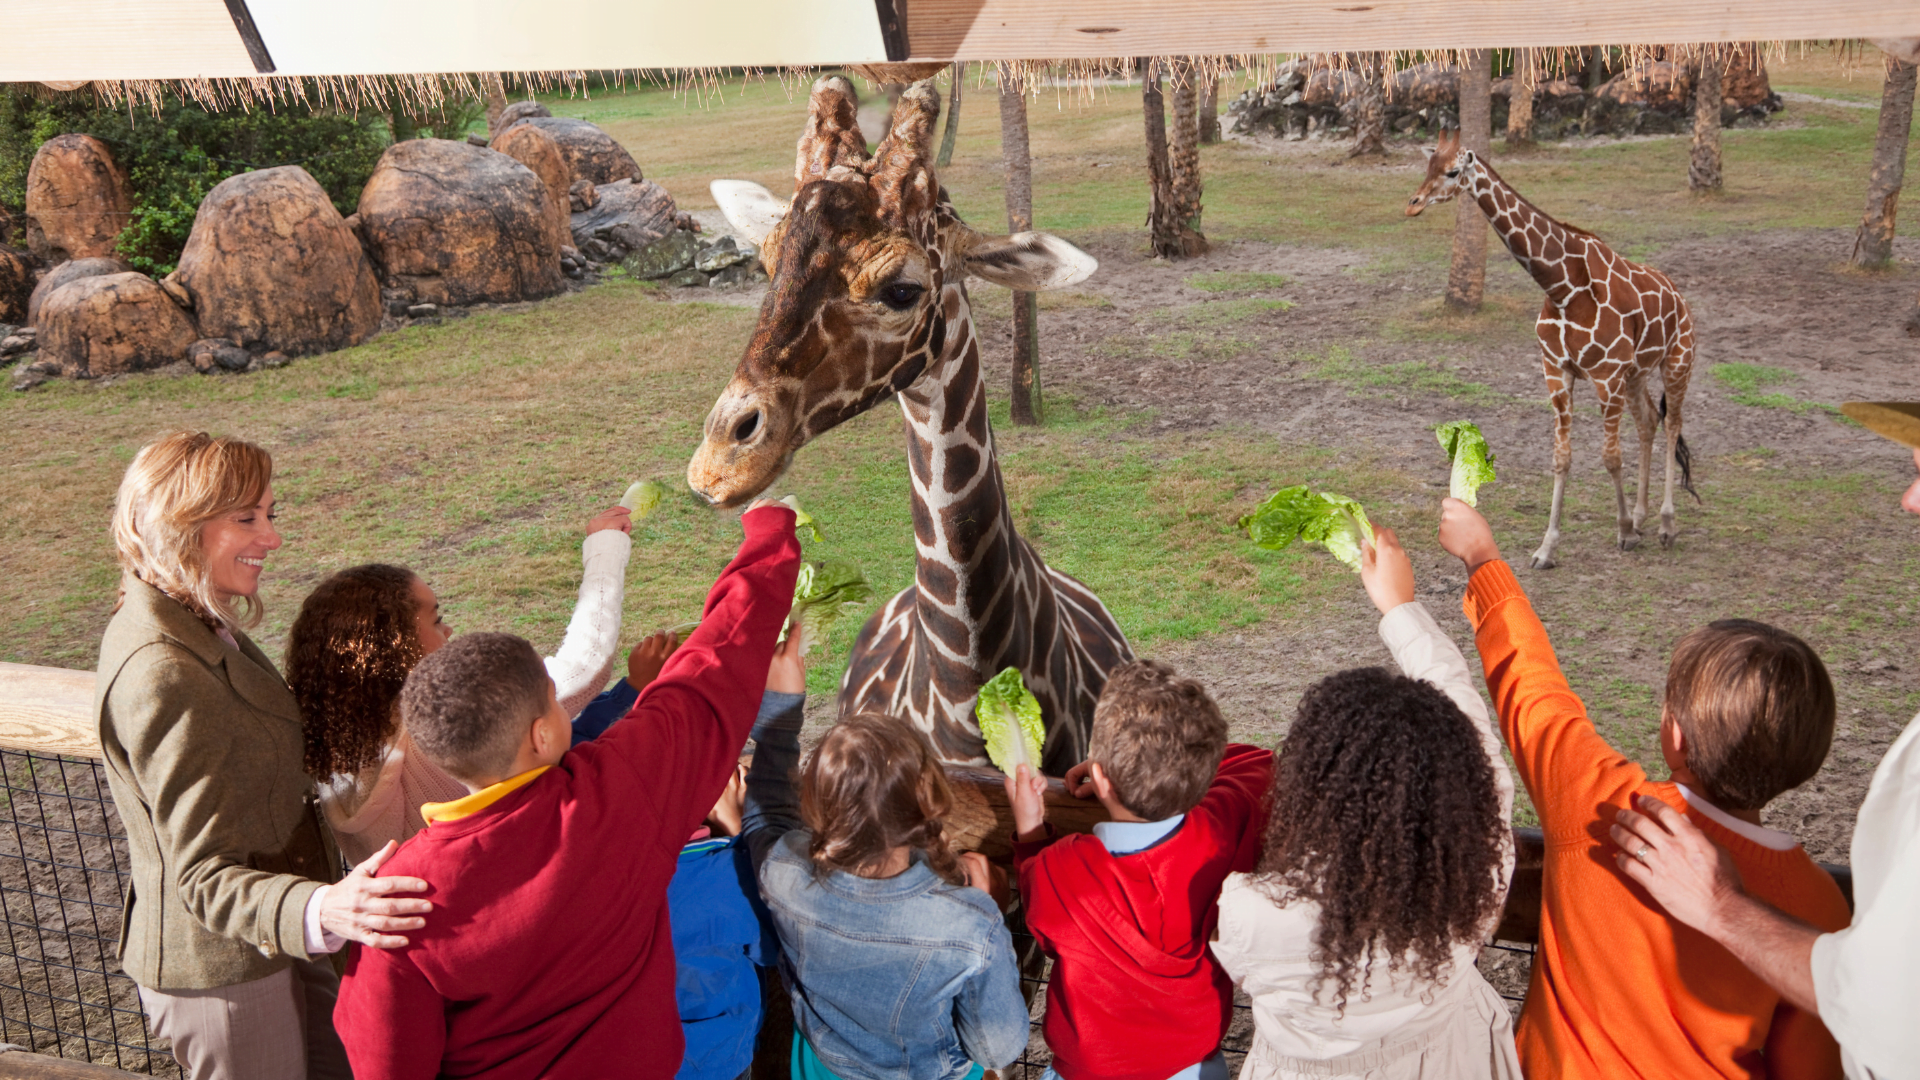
<point>868,264</point>
<point>1449,168</point>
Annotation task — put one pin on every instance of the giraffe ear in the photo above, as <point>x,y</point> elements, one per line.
<point>750,209</point>
<point>832,136</point>
<point>1029,261</point>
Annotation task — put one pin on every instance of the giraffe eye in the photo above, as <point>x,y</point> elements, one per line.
<point>901,295</point>
<point>1453,171</point>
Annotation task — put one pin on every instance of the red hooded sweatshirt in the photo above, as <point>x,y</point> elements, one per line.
<point>1136,993</point>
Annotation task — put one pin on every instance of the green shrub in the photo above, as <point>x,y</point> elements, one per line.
<point>174,158</point>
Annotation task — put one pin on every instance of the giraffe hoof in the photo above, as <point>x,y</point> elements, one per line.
<point>1629,541</point>
<point>1541,561</point>
<point>1666,540</point>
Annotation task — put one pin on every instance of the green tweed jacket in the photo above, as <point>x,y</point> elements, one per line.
<point>203,753</point>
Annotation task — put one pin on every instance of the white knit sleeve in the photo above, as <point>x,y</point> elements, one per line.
<point>1425,652</point>
<point>585,659</point>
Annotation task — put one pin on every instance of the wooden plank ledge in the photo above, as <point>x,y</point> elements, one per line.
<point>18,1064</point>
<point>47,710</point>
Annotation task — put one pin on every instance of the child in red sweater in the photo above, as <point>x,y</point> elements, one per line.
<point>550,953</point>
<point>1126,913</point>
<point>1619,989</point>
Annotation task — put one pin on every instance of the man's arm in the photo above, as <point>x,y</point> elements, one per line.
<point>1697,883</point>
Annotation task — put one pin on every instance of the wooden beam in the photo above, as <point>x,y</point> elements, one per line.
<point>20,1065</point>
<point>47,710</point>
<point>1092,29</point>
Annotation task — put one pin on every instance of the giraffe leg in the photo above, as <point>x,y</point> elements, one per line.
<point>1611,406</point>
<point>1674,399</point>
<point>1647,422</point>
<point>1558,392</point>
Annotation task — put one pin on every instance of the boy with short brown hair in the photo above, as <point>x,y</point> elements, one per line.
<point>1126,913</point>
<point>1619,989</point>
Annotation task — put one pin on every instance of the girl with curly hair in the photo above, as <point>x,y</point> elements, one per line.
<point>1388,855</point>
<point>893,946</point>
<point>358,635</point>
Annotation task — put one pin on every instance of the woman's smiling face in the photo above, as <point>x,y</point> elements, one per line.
<point>237,545</point>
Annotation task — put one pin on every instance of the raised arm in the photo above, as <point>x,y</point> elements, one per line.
<point>585,659</point>
<point>773,808</point>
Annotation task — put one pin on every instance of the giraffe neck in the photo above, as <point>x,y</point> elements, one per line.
<point>1537,242</point>
<point>967,553</point>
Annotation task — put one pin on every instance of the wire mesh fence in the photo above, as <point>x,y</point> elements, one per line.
<point>63,867</point>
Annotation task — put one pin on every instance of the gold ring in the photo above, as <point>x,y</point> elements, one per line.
<point>1642,853</point>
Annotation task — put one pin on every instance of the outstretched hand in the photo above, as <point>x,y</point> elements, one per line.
<point>649,655</point>
<point>613,517</point>
<point>1686,873</point>
<point>357,906</point>
<point>1465,535</point>
<point>1027,794</point>
<point>1386,571</point>
<point>788,672</point>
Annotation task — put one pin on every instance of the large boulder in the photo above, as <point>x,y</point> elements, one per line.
<point>518,111</point>
<point>591,153</point>
<point>628,215</point>
<point>106,325</point>
<point>450,223</point>
<point>271,265</point>
<point>536,149</point>
<point>16,287</point>
<point>77,200</point>
<point>71,270</point>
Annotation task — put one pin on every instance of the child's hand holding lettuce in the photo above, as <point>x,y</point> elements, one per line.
<point>1009,718</point>
<point>1472,458</point>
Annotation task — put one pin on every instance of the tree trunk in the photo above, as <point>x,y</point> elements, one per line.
<point>1183,152</point>
<point>495,91</point>
<point>1370,105</point>
<point>1703,169</point>
<point>1873,244</point>
<point>952,132</point>
<point>1520,100</point>
<point>1025,403</point>
<point>1467,278</point>
<point>1171,237</point>
<point>1210,107</point>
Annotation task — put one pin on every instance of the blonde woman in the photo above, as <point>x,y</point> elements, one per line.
<point>236,894</point>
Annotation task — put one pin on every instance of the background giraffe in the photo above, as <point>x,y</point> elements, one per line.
<point>1606,318</point>
<point>868,265</point>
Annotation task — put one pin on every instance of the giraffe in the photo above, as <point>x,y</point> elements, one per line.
<point>1606,318</point>
<point>868,264</point>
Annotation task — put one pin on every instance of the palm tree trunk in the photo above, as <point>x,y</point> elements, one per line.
<point>1025,403</point>
<point>1873,244</point>
<point>496,94</point>
<point>1210,106</point>
<point>1703,169</point>
<point>1520,100</point>
<point>1183,152</point>
<point>1370,105</point>
<point>1171,238</point>
<point>952,131</point>
<point>1467,277</point>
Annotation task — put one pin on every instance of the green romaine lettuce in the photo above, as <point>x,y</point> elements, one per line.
<point>641,497</point>
<point>803,523</point>
<point>1009,717</point>
<point>824,592</point>
<point>1471,457</point>
<point>1295,513</point>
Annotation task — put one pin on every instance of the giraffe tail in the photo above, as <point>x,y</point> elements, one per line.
<point>1681,456</point>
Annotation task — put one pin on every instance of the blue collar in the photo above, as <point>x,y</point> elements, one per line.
<point>1129,837</point>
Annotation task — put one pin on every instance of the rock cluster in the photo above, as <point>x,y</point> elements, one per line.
<point>1306,100</point>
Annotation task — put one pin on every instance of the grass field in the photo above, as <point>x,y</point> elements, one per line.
<point>474,451</point>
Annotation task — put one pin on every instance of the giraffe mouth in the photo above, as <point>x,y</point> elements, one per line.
<point>725,484</point>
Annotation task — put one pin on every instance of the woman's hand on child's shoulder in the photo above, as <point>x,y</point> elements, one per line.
<point>1027,794</point>
<point>613,517</point>
<point>986,877</point>
<point>648,657</point>
<point>1386,571</point>
<point>1465,535</point>
<point>788,672</point>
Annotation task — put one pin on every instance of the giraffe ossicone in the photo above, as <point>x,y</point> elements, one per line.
<point>867,265</point>
<point>1605,318</point>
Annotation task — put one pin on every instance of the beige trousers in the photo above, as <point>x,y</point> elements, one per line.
<point>276,1028</point>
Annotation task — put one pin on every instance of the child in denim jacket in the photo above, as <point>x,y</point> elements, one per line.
<point>899,962</point>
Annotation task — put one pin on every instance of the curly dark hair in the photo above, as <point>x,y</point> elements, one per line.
<point>1385,814</point>
<point>348,654</point>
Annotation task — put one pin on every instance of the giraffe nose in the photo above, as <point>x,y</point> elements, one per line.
<point>747,426</point>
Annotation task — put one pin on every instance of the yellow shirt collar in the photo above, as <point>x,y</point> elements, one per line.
<point>469,805</point>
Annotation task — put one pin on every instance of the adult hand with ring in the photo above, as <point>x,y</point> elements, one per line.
<point>1693,879</point>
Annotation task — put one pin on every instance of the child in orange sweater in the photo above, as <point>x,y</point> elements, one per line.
<point>1619,989</point>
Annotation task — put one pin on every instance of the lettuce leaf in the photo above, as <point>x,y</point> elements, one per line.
<point>641,497</point>
<point>803,523</point>
<point>1472,459</point>
<point>1296,513</point>
<point>824,592</point>
<point>1009,717</point>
